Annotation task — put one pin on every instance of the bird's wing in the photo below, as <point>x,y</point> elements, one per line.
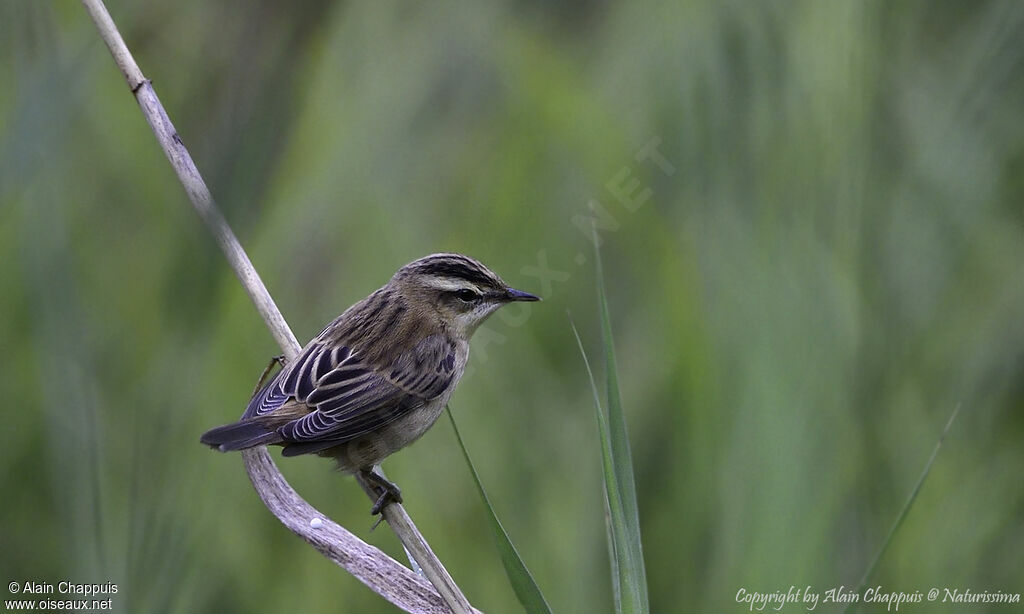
<point>349,397</point>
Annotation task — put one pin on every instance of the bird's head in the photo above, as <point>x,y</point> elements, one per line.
<point>461,290</point>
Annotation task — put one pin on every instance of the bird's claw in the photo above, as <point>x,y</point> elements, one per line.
<point>388,493</point>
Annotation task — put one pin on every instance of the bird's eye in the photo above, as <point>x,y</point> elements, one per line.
<point>466,295</point>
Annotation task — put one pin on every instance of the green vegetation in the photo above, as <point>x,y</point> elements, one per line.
<point>625,550</point>
<point>525,587</point>
<point>812,232</point>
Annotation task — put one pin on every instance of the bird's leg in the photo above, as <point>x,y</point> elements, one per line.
<point>276,360</point>
<point>388,491</point>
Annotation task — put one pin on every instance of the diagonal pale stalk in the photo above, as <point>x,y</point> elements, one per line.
<point>523,584</point>
<point>377,570</point>
<point>852,606</point>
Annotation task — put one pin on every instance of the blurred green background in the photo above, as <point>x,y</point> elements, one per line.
<point>834,262</point>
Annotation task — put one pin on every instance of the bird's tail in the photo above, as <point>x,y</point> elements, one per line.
<point>240,435</point>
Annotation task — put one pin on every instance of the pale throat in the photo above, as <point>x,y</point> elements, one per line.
<point>465,324</point>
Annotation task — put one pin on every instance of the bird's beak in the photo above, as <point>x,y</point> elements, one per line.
<point>518,295</point>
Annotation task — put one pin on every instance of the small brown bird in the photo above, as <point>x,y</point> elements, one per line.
<point>379,375</point>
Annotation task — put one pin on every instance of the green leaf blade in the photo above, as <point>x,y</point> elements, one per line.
<point>870,572</point>
<point>619,439</point>
<point>625,587</point>
<point>523,584</point>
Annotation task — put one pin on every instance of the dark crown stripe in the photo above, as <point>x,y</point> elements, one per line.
<point>457,267</point>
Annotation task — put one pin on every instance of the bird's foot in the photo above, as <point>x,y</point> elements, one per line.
<point>386,490</point>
